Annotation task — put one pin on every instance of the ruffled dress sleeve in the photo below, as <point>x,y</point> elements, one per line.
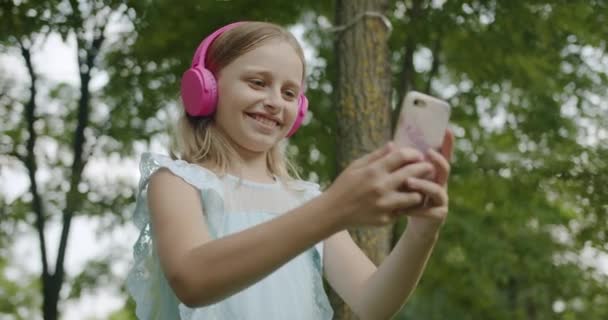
<point>146,283</point>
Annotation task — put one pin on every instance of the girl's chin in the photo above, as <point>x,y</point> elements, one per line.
<point>264,138</point>
<point>259,143</point>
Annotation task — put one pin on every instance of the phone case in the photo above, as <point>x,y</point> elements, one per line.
<point>422,122</point>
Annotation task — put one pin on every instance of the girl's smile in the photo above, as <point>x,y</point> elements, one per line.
<point>265,119</point>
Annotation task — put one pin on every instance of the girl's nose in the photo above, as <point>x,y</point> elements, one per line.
<point>273,102</point>
<point>272,108</point>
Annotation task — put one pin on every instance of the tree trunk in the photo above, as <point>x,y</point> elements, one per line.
<point>363,105</point>
<point>50,303</point>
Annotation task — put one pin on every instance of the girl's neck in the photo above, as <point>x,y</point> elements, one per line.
<point>256,171</point>
<point>253,168</point>
<point>250,165</point>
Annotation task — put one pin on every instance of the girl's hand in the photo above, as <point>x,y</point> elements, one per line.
<point>369,190</point>
<point>431,216</point>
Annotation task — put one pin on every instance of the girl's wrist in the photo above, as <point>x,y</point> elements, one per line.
<point>423,230</point>
<point>331,213</point>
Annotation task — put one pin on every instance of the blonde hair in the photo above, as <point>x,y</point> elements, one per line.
<point>198,139</point>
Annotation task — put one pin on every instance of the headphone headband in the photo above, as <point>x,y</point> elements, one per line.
<point>201,51</point>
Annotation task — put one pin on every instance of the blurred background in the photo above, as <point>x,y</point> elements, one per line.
<point>87,86</point>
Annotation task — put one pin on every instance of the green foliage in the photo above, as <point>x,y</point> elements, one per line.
<point>527,196</point>
<point>18,297</point>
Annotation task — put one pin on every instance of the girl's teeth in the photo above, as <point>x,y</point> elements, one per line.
<point>264,120</point>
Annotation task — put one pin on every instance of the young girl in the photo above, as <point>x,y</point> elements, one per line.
<point>227,233</point>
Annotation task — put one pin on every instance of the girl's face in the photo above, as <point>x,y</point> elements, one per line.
<point>258,96</point>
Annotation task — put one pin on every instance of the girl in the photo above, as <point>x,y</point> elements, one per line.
<point>227,233</point>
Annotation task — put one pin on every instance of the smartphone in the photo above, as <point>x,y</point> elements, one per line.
<point>422,122</point>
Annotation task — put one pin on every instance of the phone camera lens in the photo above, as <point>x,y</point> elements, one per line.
<point>418,103</point>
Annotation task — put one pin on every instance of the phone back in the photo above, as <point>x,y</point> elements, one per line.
<point>422,122</point>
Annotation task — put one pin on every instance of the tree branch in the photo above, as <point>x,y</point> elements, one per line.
<point>17,156</point>
<point>30,160</point>
<point>79,161</point>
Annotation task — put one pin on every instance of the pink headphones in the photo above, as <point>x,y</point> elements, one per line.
<point>199,87</point>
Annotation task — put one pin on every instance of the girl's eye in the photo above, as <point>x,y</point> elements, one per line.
<point>257,82</point>
<point>290,94</point>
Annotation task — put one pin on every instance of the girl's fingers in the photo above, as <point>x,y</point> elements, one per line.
<point>421,169</point>
<point>400,157</point>
<point>447,145</point>
<point>442,166</point>
<point>373,156</point>
<point>437,195</point>
<point>401,200</point>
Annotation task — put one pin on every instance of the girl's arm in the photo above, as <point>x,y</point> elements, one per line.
<point>379,293</point>
<point>202,271</point>
<point>376,293</point>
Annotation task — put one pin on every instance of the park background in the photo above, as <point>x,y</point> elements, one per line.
<point>87,86</point>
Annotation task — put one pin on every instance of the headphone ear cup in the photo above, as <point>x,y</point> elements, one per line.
<point>199,92</point>
<point>302,110</point>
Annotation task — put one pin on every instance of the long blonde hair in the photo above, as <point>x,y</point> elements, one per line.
<point>198,139</point>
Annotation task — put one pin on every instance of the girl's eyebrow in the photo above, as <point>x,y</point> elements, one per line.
<point>269,74</point>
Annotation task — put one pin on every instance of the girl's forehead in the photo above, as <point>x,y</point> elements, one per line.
<point>278,57</point>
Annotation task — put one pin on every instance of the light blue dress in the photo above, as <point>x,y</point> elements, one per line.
<point>294,291</point>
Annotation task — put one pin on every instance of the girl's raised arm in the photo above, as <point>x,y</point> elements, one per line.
<point>203,271</point>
